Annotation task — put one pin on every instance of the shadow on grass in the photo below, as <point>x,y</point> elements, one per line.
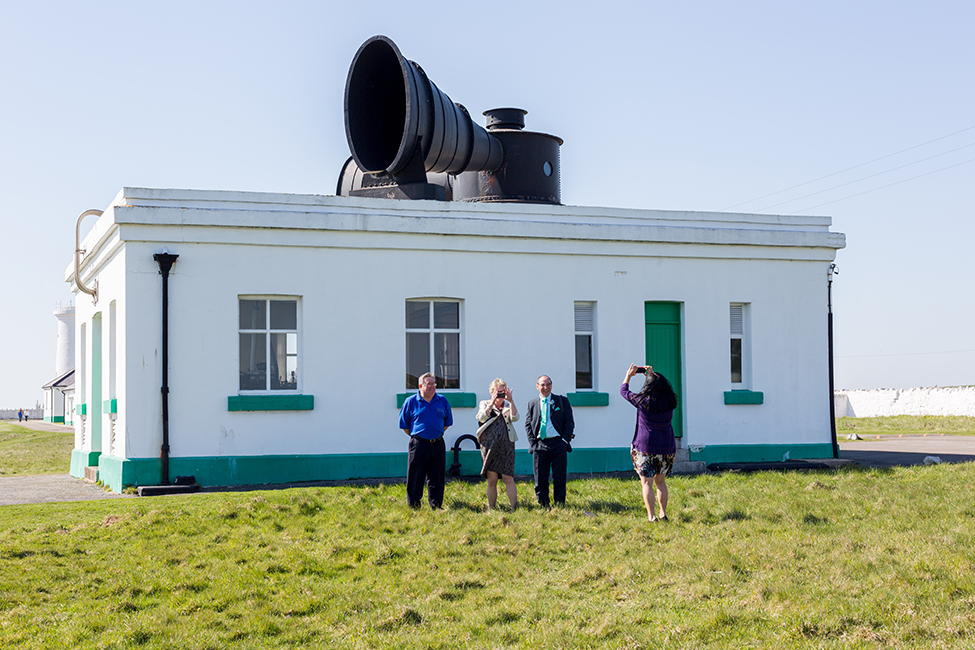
<point>606,506</point>
<point>457,504</point>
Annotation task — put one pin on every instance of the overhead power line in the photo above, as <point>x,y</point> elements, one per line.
<point>869,162</point>
<point>864,178</point>
<point>964,162</point>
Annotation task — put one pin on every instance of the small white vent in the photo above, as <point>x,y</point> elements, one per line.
<point>584,316</point>
<point>737,320</point>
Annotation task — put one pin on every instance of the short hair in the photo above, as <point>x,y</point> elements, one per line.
<point>494,385</point>
<point>546,376</point>
<point>422,378</point>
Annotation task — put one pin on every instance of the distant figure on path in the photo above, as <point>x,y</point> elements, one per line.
<point>496,437</point>
<point>20,415</point>
<point>653,446</point>
<point>550,428</point>
<point>425,417</point>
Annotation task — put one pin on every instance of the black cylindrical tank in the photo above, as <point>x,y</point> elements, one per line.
<point>530,171</point>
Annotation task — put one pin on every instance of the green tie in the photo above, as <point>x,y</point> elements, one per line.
<point>543,430</point>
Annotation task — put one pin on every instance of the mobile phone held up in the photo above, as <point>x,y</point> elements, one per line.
<point>641,370</point>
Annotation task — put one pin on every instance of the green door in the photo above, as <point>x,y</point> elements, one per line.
<point>664,348</point>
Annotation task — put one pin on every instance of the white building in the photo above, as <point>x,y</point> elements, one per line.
<point>295,321</point>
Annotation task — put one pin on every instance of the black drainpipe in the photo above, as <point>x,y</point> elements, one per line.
<point>832,400</point>
<point>165,261</point>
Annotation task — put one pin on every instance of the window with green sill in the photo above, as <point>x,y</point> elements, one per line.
<point>740,347</point>
<point>269,344</point>
<point>741,364</point>
<point>433,342</point>
<point>585,323</point>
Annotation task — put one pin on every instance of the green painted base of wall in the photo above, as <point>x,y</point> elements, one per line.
<point>760,453</point>
<point>118,473</point>
<point>57,419</point>
<point>81,459</point>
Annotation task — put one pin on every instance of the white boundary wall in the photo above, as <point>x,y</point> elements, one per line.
<point>910,401</point>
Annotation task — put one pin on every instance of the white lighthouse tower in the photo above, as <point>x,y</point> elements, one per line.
<point>59,393</point>
<point>65,357</point>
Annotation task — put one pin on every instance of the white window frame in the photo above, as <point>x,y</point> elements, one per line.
<point>267,331</point>
<point>739,316</point>
<point>432,330</point>
<point>585,325</point>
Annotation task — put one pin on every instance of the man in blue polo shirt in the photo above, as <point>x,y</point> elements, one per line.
<point>424,418</point>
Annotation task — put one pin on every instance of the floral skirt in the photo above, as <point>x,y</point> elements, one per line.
<point>497,450</point>
<point>649,465</point>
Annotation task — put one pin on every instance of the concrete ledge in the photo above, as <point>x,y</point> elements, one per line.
<point>163,490</point>
<point>688,467</point>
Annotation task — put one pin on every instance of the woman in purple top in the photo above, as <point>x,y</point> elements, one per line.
<point>653,444</point>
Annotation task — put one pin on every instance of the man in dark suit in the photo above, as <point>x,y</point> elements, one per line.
<point>550,428</point>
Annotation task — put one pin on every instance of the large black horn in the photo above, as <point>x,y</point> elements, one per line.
<point>396,119</point>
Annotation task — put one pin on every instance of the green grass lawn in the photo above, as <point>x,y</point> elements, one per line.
<point>956,425</point>
<point>851,559</point>
<point>25,451</point>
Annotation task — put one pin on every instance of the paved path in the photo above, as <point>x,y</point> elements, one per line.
<point>895,450</point>
<point>41,425</point>
<point>47,488</point>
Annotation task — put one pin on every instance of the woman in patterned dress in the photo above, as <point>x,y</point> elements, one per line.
<point>497,437</point>
<point>653,446</point>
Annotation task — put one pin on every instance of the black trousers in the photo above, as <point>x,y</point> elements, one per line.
<point>426,464</point>
<point>550,455</point>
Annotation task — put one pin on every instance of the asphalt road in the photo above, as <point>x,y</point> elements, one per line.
<point>887,451</point>
<point>899,451</point>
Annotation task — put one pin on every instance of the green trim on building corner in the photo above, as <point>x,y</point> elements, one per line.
<point>83,409</point>
<point>760,453</point>
<point>590,398</point>
<point>744,397</point>
<point>456,400</point>
<point>117,473</point>
<point>81,459</point>
<point>271,403</point>
<point>110,406</point>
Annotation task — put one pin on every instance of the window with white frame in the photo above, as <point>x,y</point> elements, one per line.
<point>268,332</point>
<point>740,353</point>
<point>433,342</point>
<point>584,326</point>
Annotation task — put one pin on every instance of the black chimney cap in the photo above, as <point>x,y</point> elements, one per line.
<point>506,118</point>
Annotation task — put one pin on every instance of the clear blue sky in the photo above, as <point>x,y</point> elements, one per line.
<point>685,106</point>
